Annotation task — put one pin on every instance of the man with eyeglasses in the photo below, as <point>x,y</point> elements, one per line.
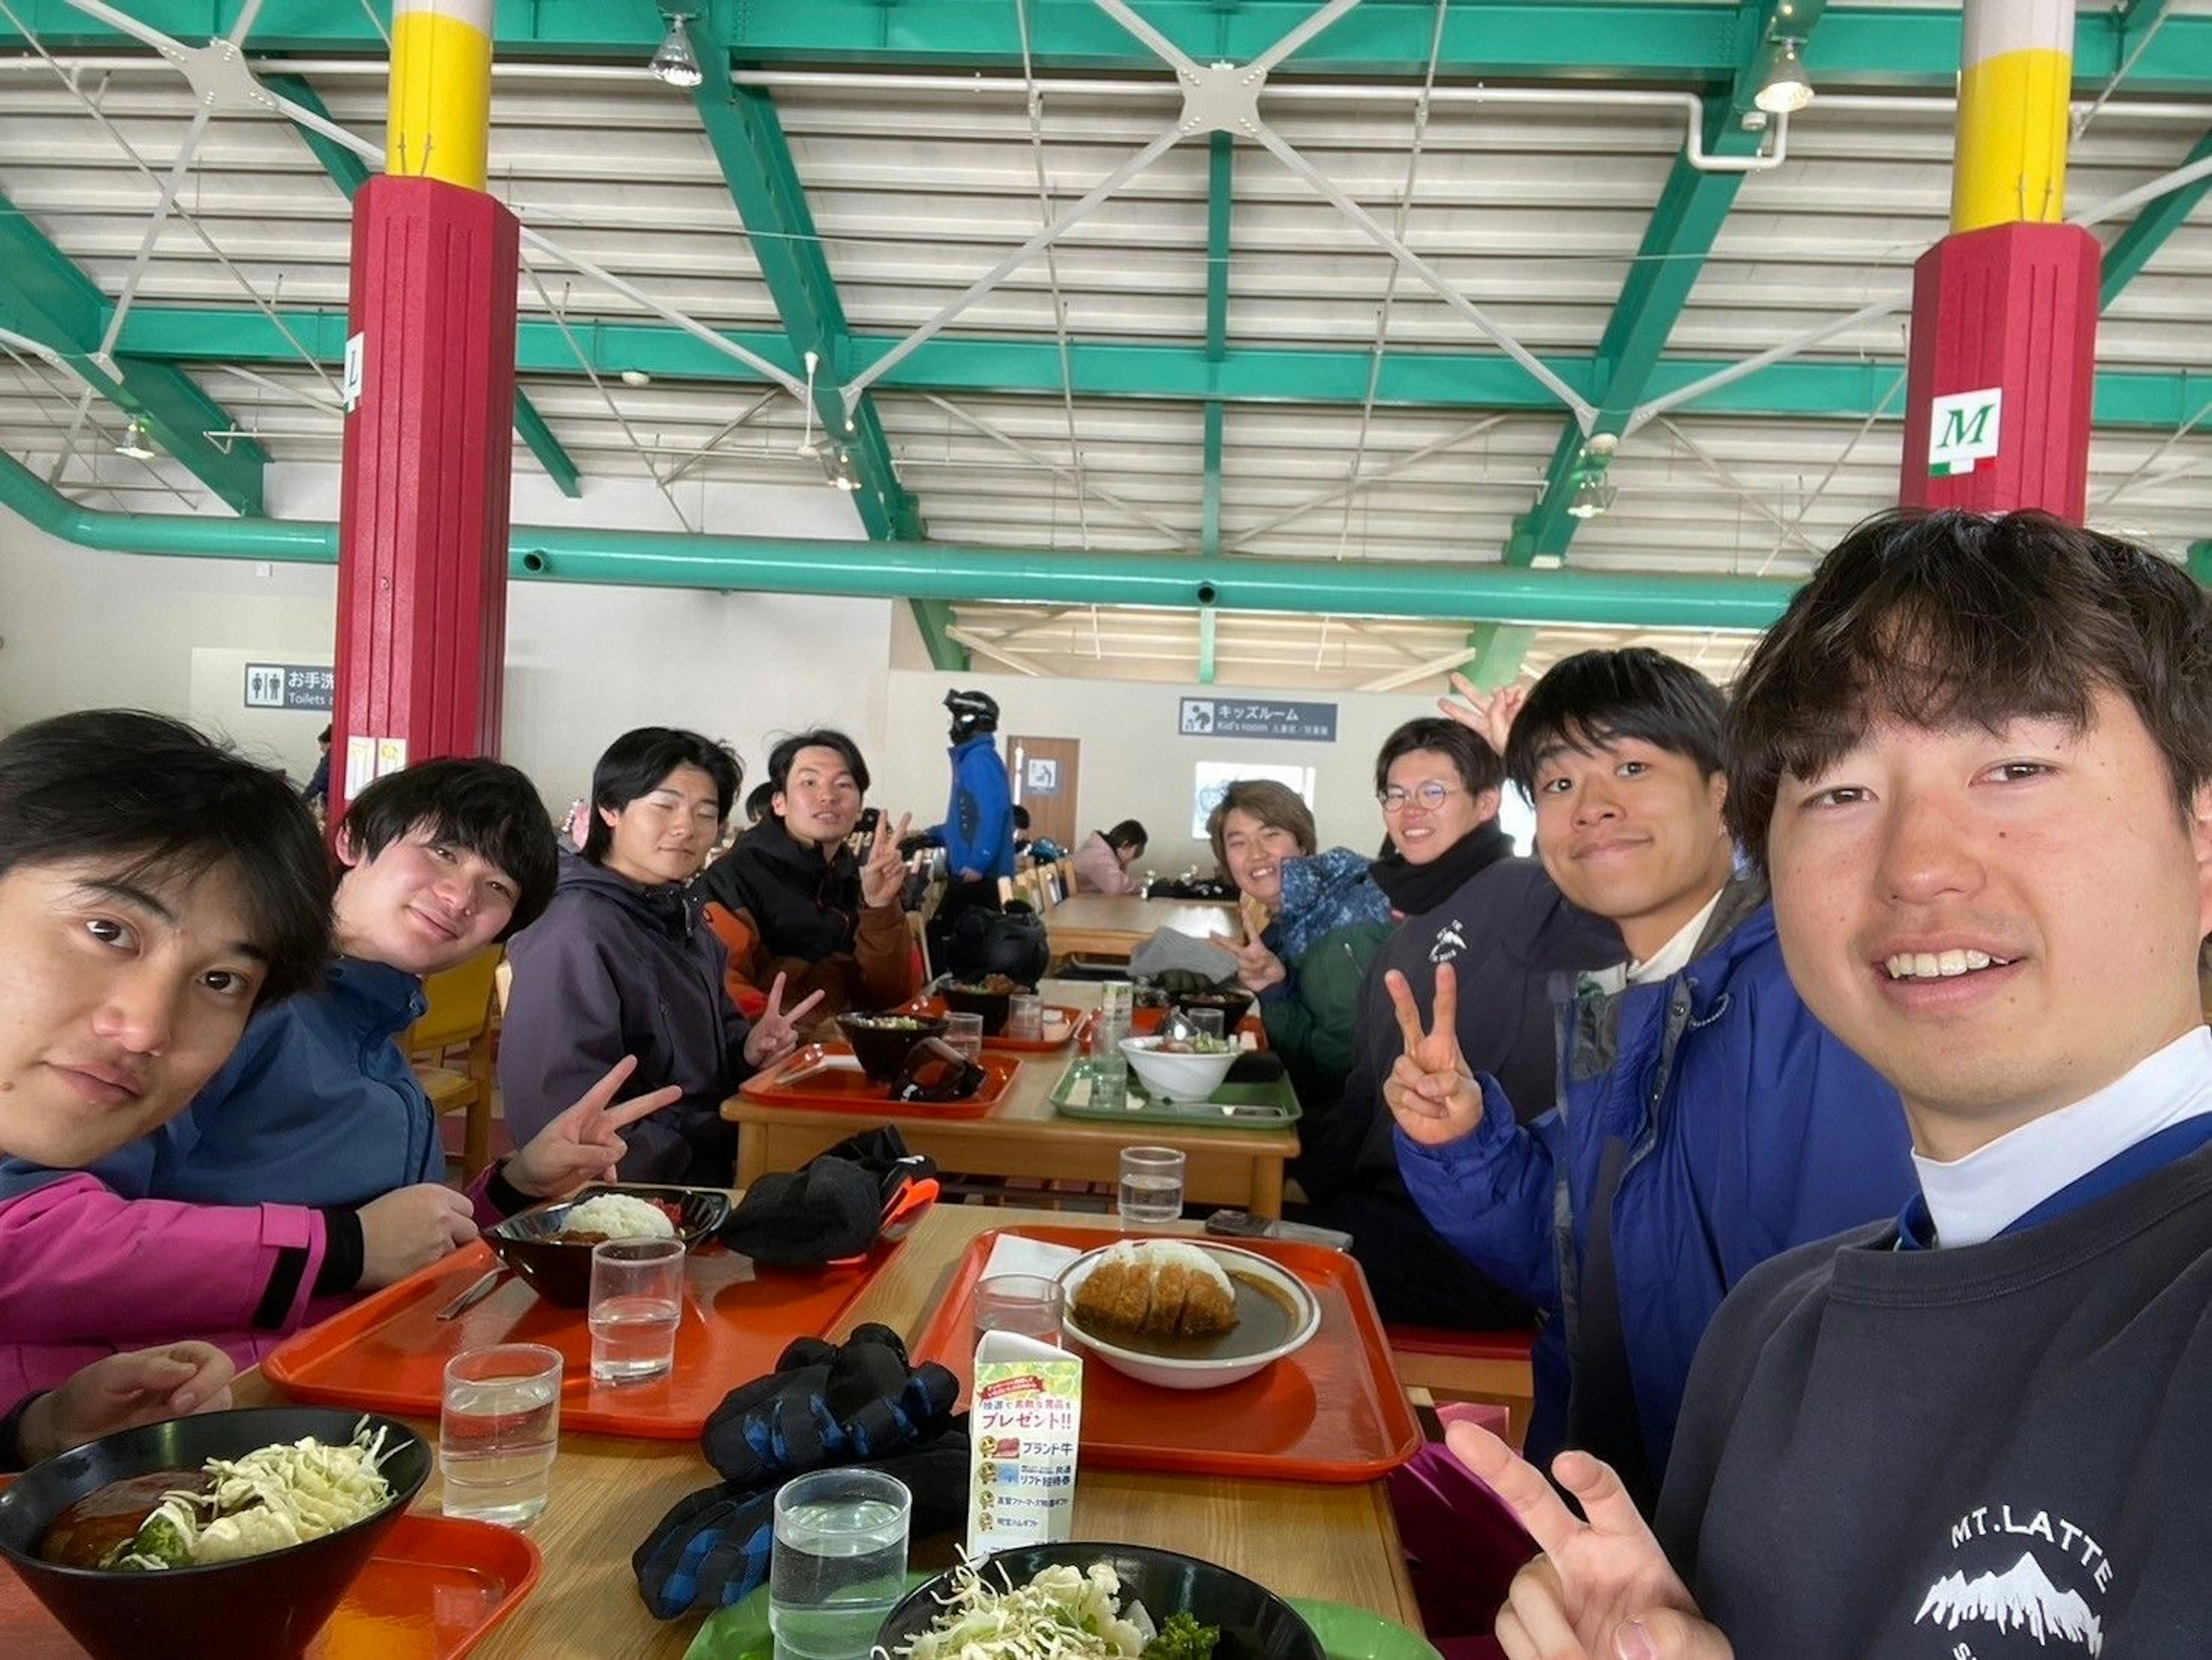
<point>793,898</point>
<point>1706,1121</point>
<point>1466,899</point>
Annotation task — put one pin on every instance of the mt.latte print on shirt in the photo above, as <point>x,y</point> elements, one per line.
<point>2025,1597</point>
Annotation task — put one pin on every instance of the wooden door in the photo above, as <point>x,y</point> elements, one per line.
<point>1043,771</point>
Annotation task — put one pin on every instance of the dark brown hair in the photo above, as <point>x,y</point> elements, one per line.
<point>1277,806</point>
<point>1478,766</point>
<point>1951,618</point>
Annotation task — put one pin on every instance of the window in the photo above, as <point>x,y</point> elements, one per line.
<point>1210,778</point>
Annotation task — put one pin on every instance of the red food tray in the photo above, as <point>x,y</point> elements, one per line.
<point>1332,1412</point>
<point>432,1590</point>
<point>388,1353</point>
<point>811,1077</point>
<point>1074,1019</point>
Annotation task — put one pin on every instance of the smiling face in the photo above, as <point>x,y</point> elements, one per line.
<point>423,905</point>
<point>1422,832</point>
<point>820,801</point>
<point>1632,832</point>
<point>1254,853</point>
<point>2002,921</point>
<point>118,998</point>
<point>665,834</point>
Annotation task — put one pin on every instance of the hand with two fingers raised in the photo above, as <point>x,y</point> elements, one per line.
<point>584,1143</point>
<point>1602,1589</point>
<point>1488,715</point>
<point>883,872</point>
<point>775,1034</point>
<point>1430,1090</point>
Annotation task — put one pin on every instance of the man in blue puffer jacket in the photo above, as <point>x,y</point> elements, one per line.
<point>1706,1121</point>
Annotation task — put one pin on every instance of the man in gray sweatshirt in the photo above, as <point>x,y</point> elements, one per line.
<point>1976,759</point>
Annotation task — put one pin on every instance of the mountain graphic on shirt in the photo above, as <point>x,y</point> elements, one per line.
<point>2021,1598</point>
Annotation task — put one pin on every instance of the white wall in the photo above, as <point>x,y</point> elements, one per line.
<point>1135,763</point>
<point>80,629</point>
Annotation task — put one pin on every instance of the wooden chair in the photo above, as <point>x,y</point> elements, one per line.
<point>1467,1365</point>
<point>462,1002</point>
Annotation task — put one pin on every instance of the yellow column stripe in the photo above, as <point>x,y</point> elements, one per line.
<point>2011,161</point>
<point>441,116</point>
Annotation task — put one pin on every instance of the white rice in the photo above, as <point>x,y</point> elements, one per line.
<point>619,1216</point>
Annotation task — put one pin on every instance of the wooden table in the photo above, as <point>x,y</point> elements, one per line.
<point>1339,1543</point>
<point>1022,1136</point>
<point>1116,924</point>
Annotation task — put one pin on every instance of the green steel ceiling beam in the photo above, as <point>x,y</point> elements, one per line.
<point>748,138</point>
<point>1798,388</point>
<point>1220,204</point>
<point>48,298</point>
<point>350,172</point>
<point>948,572</point>
<point>1676,242</point>
<point>934,618</point>
<point>2131,250</point>
<point>1499,650</point>
<point>1208,630</point>
<point>1861,45</point>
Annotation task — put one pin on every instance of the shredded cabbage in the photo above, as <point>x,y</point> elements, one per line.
<point>1063,1614</point>
<point>273,1497</point>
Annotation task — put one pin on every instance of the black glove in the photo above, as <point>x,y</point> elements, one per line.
<point>827,1404</point>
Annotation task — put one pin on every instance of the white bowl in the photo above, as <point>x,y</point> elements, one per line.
<point>1173,1076</point>
<point>1175,1372</point>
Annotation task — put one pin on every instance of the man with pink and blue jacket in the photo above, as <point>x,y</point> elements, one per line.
<point>308,1169</point>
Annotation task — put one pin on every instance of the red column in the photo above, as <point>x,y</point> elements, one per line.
<point>2002,369</point>
<point>428,454</point>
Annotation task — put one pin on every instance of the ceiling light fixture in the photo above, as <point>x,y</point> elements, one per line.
<point>138,443</point>
<point>1592,497</point>
<point>675,64</point>
<point>845,478</point>
<point>1787,88</point>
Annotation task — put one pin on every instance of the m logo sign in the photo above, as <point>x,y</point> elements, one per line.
<point>1962,429</point>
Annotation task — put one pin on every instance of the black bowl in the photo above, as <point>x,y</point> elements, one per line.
<point>560,1270</point>
<point>259,1608</point>
<point>993,1006</point>
<point>1255,1623</point>
<point>1233,1004</point>
<point>882,1047</point>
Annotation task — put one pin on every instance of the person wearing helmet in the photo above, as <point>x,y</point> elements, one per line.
<point>978,831</point>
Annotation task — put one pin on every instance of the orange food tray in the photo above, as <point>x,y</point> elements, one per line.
<point>388,1353</point>
<point>834,1088</point>
<point>1332,1412</point>
<point>432,1590</point>
<point>1074,1019</point>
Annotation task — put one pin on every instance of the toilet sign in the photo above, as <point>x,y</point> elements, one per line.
<point>1962,429</point>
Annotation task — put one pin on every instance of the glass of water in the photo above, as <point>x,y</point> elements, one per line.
<point>1025,1017</point>
<point>1027,1304</point>
<point>499,1427</point>
<point>637,1300</point>
<point>839,1564</point>
<point>1151,1185</point>
<point>964,1032</point>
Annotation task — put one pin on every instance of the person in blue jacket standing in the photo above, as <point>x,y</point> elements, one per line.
<point>1706,1121</point>
<point>978,831</point>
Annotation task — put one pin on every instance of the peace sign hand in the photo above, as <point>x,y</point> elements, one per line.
<point>1429,1090</point>
<point>585,1143</point>
<point>1257,967</point>
<point>1602,1589</point>
<point>882,873</point>
<point>775,1034</point>
<point>1488,716</point>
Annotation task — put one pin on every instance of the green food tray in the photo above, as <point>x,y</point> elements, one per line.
<point>1270,1106</point>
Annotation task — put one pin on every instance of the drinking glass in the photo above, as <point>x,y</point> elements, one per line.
<point>1207,1022</point>
<point>499,1427</point>
<point>637,1301</point>
<point>1025,1017</point>
<point>966,1033</point>
<point>838,1566</point>
<point>1107,1068</point>
<point>1151,1185</point>
<point>1117,1004</point>
<point>1027,1304</point>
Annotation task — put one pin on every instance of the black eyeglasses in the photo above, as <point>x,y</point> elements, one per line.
<point>1430,796</point>
<point>934,1071</point>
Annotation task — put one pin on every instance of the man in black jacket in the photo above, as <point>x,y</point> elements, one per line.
<point>1976,758</point>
